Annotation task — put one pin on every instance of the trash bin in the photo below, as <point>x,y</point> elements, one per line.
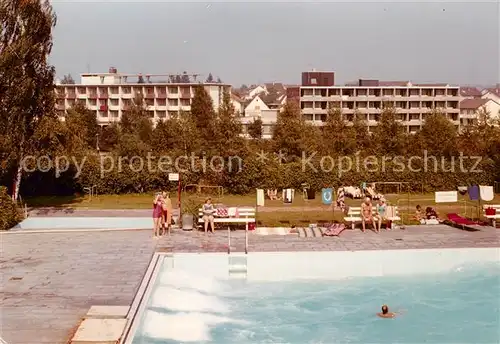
<point>187,222</point>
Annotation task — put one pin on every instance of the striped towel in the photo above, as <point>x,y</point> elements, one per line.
<point>307,232</point>
<point>221,212</point>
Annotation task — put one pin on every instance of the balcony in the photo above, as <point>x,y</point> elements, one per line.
<point>103,108</point>
<point>71,95</point>
<point>162,95</point>
<point>92,95</point>
<point>103,96</point>
<point>60,95</point>
<point>149,96</point>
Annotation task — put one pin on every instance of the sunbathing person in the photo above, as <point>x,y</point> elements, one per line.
<point>367,214</point>
<point>431,213</point>
<point>419,216</point>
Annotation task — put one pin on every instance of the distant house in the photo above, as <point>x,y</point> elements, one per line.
<point>237,103</point>
<point>469,110</point>
<point>492,93</point>
<point>470,92</point>
<point>253,91</point>
<point>264,108</point>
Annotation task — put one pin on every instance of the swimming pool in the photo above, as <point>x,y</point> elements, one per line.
<point>447,296</point>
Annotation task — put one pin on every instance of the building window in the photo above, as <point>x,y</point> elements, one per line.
<point>313,81</point>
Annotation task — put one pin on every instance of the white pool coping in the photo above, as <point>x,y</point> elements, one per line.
<point>287,266</point>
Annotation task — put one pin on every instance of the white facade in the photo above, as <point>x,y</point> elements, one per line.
<point>411,102</point>
<point>255,108</point>
<point>469,110</point>
<point>110,94</point>
<point>268,118</point>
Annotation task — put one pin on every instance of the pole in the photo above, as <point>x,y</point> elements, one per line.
<point>179,199</point>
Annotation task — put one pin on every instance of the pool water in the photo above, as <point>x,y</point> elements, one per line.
<point>461,305</point>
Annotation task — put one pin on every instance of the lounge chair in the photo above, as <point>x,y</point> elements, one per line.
<point>462,222</point>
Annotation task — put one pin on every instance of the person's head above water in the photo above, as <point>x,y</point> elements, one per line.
<point>385,309</point>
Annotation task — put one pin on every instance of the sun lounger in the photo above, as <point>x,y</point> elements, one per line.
<point>461,221</point>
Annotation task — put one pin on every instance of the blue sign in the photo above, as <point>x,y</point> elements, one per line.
<point>327,196</point>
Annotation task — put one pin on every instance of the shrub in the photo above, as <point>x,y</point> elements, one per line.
<point>9,213</point>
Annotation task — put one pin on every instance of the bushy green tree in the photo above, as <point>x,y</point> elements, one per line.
<point>26,78</point>
<point>255,129</point>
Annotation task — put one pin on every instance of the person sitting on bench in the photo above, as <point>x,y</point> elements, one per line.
<point>208,214</point>
<point>272,194</point>
<point>367,214</point>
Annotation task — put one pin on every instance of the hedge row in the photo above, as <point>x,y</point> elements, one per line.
<point>270,174</point>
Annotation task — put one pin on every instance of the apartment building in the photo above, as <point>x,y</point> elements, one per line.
<point>111,94</point>
<point>412,102</point>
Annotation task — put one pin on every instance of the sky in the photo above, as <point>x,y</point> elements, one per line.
<point>251,42</point>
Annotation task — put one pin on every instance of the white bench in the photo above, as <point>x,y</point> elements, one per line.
<point>492,218</point>
<point>246,215</point>
<point>354,215</point>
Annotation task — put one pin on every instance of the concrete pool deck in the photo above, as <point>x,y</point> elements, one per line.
<point>51,279</point>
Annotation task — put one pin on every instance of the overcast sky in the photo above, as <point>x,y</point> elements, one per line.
<point>263,42</point>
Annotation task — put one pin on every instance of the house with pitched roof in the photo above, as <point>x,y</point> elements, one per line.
<point>492,93</point>
<point>470,92</point>
<point>470,109</point>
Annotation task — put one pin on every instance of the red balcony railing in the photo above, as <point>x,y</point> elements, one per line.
<point>103,108</point>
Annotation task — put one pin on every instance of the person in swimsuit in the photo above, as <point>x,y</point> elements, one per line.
<point>385,313</point>
<point>381,209</point>
<point>366,214</point>
<point>157,213</point>
<point>166,218</point>
<point>208,214</point>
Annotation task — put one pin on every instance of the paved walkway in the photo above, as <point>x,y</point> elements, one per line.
<point>50,280</point>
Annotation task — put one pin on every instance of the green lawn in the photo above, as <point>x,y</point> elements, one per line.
<point>143,201</point>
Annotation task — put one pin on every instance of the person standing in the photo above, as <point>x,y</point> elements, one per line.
<point>167,212</point>
<point>208,214</point>
<point>157,214</point>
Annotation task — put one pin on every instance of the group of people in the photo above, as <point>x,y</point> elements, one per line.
<point>162,214</point>
<point>430,215</point>
<point>368,216</point>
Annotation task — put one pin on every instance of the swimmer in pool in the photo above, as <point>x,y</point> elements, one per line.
<point>385,313</point>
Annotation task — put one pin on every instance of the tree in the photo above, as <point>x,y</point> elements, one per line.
<point>255,129</point>
<point>185,78</point>
<point>438,135</point>
<point>26,78</point>
<point>140,79</point>
<point>210,78</point>
<point>219,81</point>
<point>68,80</point>
<point>337,135</point>
<point>290,131</point>
<point>109,136</point>
<point>228,127</point>
<point>360,132</point>
<point>178,79</point>
<point>136,123</point>
<point>202,111</point>
<point>389,136</point>
<point>82,127</point>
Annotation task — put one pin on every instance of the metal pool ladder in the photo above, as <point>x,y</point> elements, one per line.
<point>237,263</point>
<point>229,239</point>
<point>237,266</point>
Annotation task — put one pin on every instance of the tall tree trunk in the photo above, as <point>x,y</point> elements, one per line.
<point>17,181</point>
<point>19,172</point>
